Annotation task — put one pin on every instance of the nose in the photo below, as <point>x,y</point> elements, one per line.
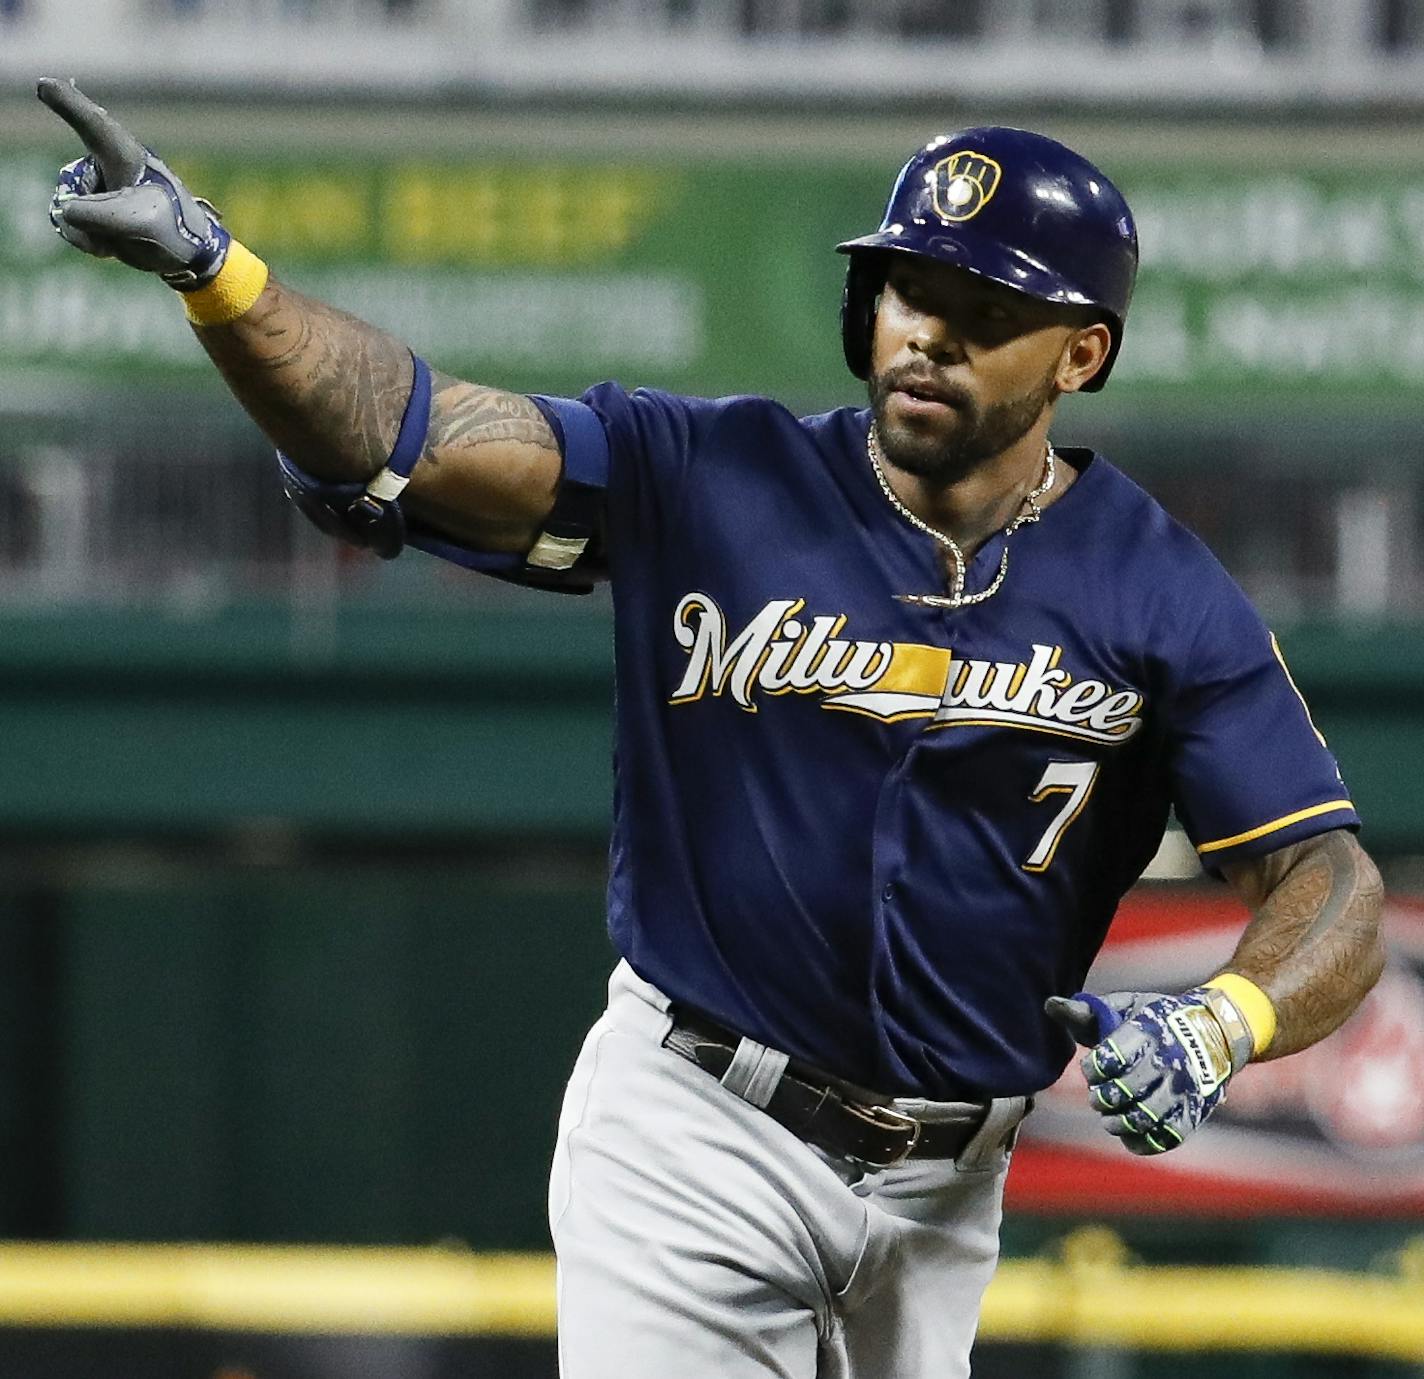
<point>935,338</point>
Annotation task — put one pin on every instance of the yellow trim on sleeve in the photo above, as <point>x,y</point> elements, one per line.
<point>1285,822</point>
<point>233,293</point>
<point>1290,680</point>
<point>1255,1007</point>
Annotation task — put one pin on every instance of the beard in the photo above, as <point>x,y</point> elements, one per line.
<point>978,434</point>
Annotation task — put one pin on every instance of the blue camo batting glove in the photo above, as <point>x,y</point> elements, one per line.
<point>122,201</point>
<point>1157,1065</point>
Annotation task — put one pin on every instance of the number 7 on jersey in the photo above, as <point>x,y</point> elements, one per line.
<point>1074,779</point>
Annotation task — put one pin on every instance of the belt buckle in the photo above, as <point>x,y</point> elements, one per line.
<point>888,1118</point>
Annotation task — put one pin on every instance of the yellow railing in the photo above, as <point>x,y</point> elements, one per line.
<point>1088,1294</point>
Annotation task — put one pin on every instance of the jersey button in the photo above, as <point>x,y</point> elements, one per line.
<point>888,894</point>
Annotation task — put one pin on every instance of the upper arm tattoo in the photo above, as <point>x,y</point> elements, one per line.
<point>467,414</point>
<point>1314,944</point>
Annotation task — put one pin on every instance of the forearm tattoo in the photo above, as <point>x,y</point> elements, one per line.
<point>1314,944</point>
<point>328,389</point>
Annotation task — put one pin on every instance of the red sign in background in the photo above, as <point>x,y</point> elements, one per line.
<point>1335,1130</point>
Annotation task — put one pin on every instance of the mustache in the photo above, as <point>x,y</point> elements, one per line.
<point>909,379</point>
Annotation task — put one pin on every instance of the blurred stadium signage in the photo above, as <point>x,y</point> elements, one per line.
<point>1296,280</point>
<point>716,275</point>
<point>1336,1130</point>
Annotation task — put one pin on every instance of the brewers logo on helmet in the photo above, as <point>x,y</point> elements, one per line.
<point>961,185</point>
<point>1015,207</point>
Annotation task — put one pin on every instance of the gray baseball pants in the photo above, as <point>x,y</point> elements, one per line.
<point>696,1237</point>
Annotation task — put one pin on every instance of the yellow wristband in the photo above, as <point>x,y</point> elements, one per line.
<point>1253,1003</point>
<point>232,293</point>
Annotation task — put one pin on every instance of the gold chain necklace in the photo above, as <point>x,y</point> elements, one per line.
<point>957,598</point>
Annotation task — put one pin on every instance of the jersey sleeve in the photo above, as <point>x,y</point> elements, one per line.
<point>1250,772</point>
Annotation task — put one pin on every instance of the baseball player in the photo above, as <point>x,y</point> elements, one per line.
<point>905,694</point>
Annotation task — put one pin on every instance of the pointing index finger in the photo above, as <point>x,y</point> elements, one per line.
<point>121,158</point>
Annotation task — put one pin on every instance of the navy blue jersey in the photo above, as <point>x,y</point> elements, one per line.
<point>878,835</point>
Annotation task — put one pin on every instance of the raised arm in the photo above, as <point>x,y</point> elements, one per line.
<point>328,389</point>
<point>1314,944</point>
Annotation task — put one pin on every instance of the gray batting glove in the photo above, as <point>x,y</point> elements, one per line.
<point>1157,1065</point>
<point>121,201</point>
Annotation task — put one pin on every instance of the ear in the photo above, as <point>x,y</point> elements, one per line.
<point>1084,353</point>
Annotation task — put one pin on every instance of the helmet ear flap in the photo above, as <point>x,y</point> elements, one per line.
<point>865,280</point>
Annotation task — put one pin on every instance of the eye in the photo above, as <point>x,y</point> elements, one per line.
<point>908,290</point>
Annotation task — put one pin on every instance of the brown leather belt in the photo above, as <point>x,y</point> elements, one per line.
<point>823,1113</point>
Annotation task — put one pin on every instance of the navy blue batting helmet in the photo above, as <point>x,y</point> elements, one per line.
<point>1018,208</point>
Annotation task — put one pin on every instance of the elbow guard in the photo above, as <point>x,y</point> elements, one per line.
<point>369,515</point>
